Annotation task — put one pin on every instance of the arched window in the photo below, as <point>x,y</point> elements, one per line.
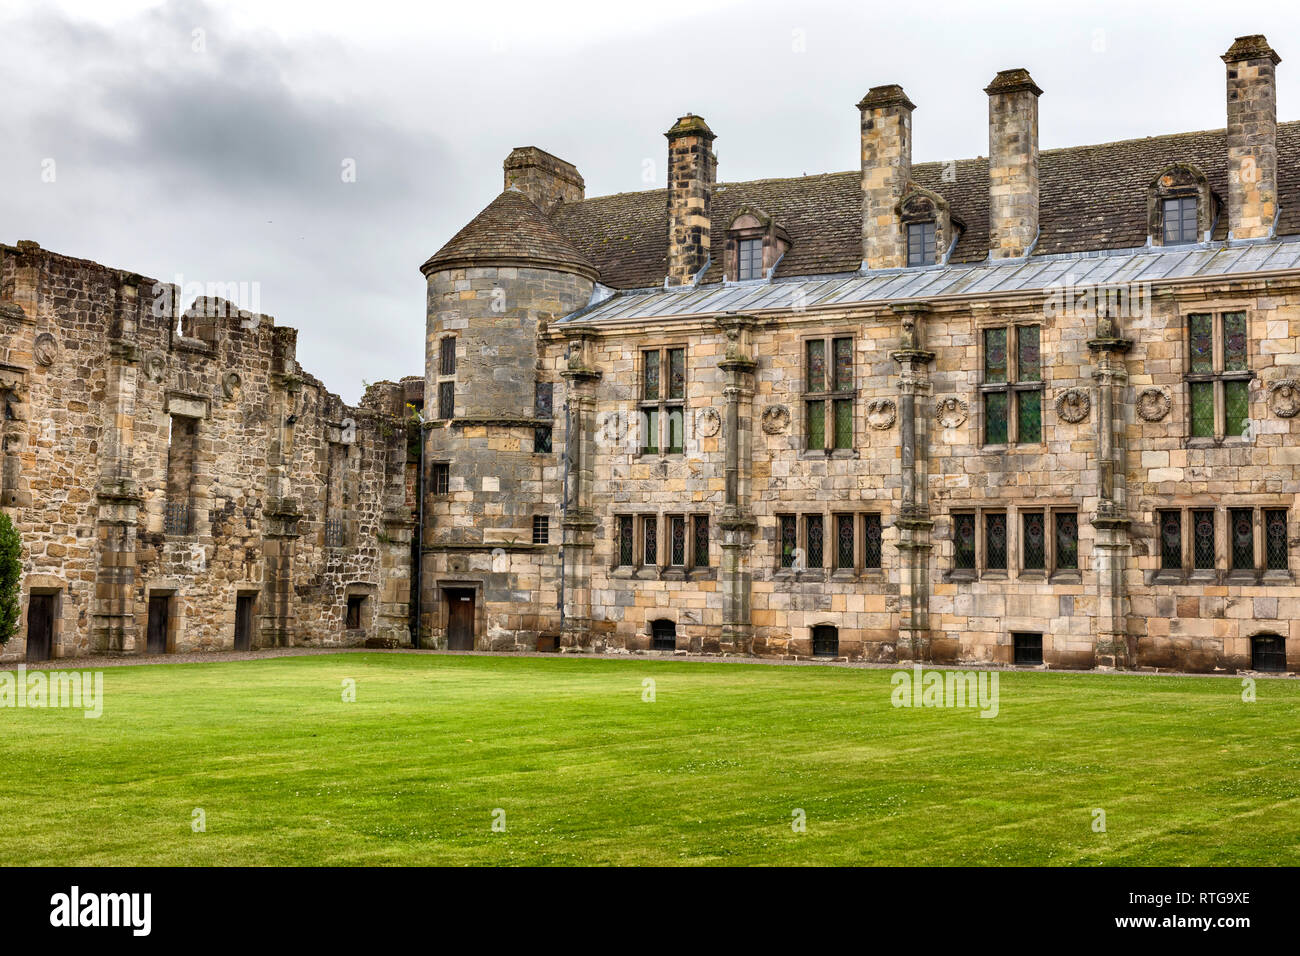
<point>663,634</point>
<point>1180,206</point>
<point>826,641</point>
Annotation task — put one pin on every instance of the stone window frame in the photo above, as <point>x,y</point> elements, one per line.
<point>1015,564</point>
<point>1051,570</point>
<point>1218,376</point>
<point>367,596</point>
<point>921,206</point>
<point>624,531</point>
<point>446,409</point>
<point>828,397</point>
<point>1223,571</point>
<point>1013,387</point>
<point>662,522</point>
<point>541,529</point>
<point>830,522</point>
<point>927,253</point>
<point>750,223</point>
<point>663,405</point>
<point>1180,181</point>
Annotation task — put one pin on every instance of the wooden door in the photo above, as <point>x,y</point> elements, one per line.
<point>159,608</point>
<point>244,622</point>
<point>40,627</point>
<point>460,619</point>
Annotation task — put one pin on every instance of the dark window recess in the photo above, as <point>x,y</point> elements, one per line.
<point>1028,648</point>
<point>541,529</point>
<point>816,540</point>
<point>663,635</point>
<point>1035,541</point>
<point>825,641</point>
<point>543,407</point>
<point>677,541</point>
<point>650,537</point>
<point>333,532</point>
<point>920,244</point>
<point>1067,541</point>
<point>542,439</point>
<point>1268,653</point>
<point>1203,540</point>
<point>844,557</point>
<point>871,541</point>
<point>1242,523</point>
<point>701,556</point>
<point>1171,541</point>
<point>446,400</point>
<point>447,357</point>
<point>441,478</point>
<point>789,542</point>
<point>355,603</point>
<point>626,546</point>
<point>995,541</point>
<point>178,517</point>
<point>750,258</point>
<point>963,542</point>
<point>1276,556</point>
<point>1180,220</point>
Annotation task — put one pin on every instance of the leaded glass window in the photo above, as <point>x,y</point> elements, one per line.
<point>844,556</point>
<point>995,418</point>
<point>1235,343</point>
<point>446,400</point>
<point>1203,556</point>
<point>843,423</point>
<point>1201,342</point>
<point>1029,411</point>
<point>828,386</point>
<point>1218,375</point>
<point>789,539</point>
<point>1171,540</point>
<point>1275,540</point>
<point>1034,540</point>
<point>1029,362</point>
<point>816,544</point>
<point>1236,407</point>
<point>663,397</point>
<point>650,540</point>
<point>920,244</point>
<point>650,376</point>
<point>843,365</point>
<point>995,541</point>
<point>1241,522</point>
<point>1179,216</point>
<point>995,355</point>
<point>700,557</point>
<point>1067,541</point>
<point>816,425</point>
<point>963,541</point>
<point>626,545</point>
<point>1013,390</point>
<point>676,431</point>
<point>676,373</point>
<point>677,542</point>
<point>649,431</point>
<point>543,407</point>
<point>871,541</point>
<point>1202,409</point>
<point>816,381</point>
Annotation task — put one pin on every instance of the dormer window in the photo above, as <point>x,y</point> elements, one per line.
<point>920,243</point>
<point>1180,220</point>
<point>751,259</point>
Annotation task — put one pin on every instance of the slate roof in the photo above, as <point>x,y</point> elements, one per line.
<point>1091,198</point>
<point>510,231</point>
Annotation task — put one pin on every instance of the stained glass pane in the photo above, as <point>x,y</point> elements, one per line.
<point>995,356</point>
<point>1236,407</point>
<point>1202,409</point>
<point>678,531</point>
<point>650,375</point>
<point>816,371</point>
<point>963,541</point>
<point>1029,362</point>
<point>995,541</point>
<point>813,525</point>
<point>1242,523</point>
<point>676,433</point>
<point>650,431</point>
<point>1067,541</point>
<point>843,365</point>
<point>1029,410</point>
<point>1276,540</point>
<point>789,540</point>
<point>676,373</point>
<point>1035,541</point>
<point>544,400</point>
<point>542,439</point>
<point>625,540</point>
<point>816,425</point>
<point>701,556</point>
<point>650,536</point>
<point>1171,540</point>
<point>995,418</point>
<point>1201,342</point>
<point>871,541</point>
<point>844,541</point>
<point>1235,343</point>
<point>843,424</point>
<point>1203,540</point>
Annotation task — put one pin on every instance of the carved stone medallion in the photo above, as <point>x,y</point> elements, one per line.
<point>155,364</point>
<point>707,422</point>
<point>952,412</point>
<point>776,419</point>
<point>1153,404</point>
<point>1073,405</point>
<point>881,413</point>
<point>45,349</point>
<point>1284,398</point>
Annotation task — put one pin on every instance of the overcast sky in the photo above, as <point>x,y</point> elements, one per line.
<point>209,140</point>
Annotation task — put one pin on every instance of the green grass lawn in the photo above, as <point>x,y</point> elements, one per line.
<point>286,772</point>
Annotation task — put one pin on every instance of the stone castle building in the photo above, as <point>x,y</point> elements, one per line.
<point>1039,407</point>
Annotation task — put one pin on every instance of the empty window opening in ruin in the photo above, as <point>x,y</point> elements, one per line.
<point>182,448</point>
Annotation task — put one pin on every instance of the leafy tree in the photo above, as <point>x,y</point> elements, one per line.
<point>11,569</point>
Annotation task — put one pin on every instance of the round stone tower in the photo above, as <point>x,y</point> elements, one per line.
<point>492,471</point>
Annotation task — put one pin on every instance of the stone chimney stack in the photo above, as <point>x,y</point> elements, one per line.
<point>692,168</point>
<point>1252,137</point>
<point>886,168</point>
<point>545,179</point>
<point>1013,164</point>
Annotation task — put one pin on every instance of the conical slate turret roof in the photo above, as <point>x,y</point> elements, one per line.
<point>511,231</point>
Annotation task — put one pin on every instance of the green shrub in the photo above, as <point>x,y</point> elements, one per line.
<point>11,570</point>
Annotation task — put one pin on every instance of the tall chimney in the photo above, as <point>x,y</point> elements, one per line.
<point>691,171</point>
<point>886,168</point>
<point>545,179</point>
<point>1013,164</point>
<point>1252,137</point>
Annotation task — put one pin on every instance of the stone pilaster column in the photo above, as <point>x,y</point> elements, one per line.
<point>1114,646</point>
<point>581,378</point>
<point>281,513</point>
<point>737,523</point>
<point>913,522</point>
